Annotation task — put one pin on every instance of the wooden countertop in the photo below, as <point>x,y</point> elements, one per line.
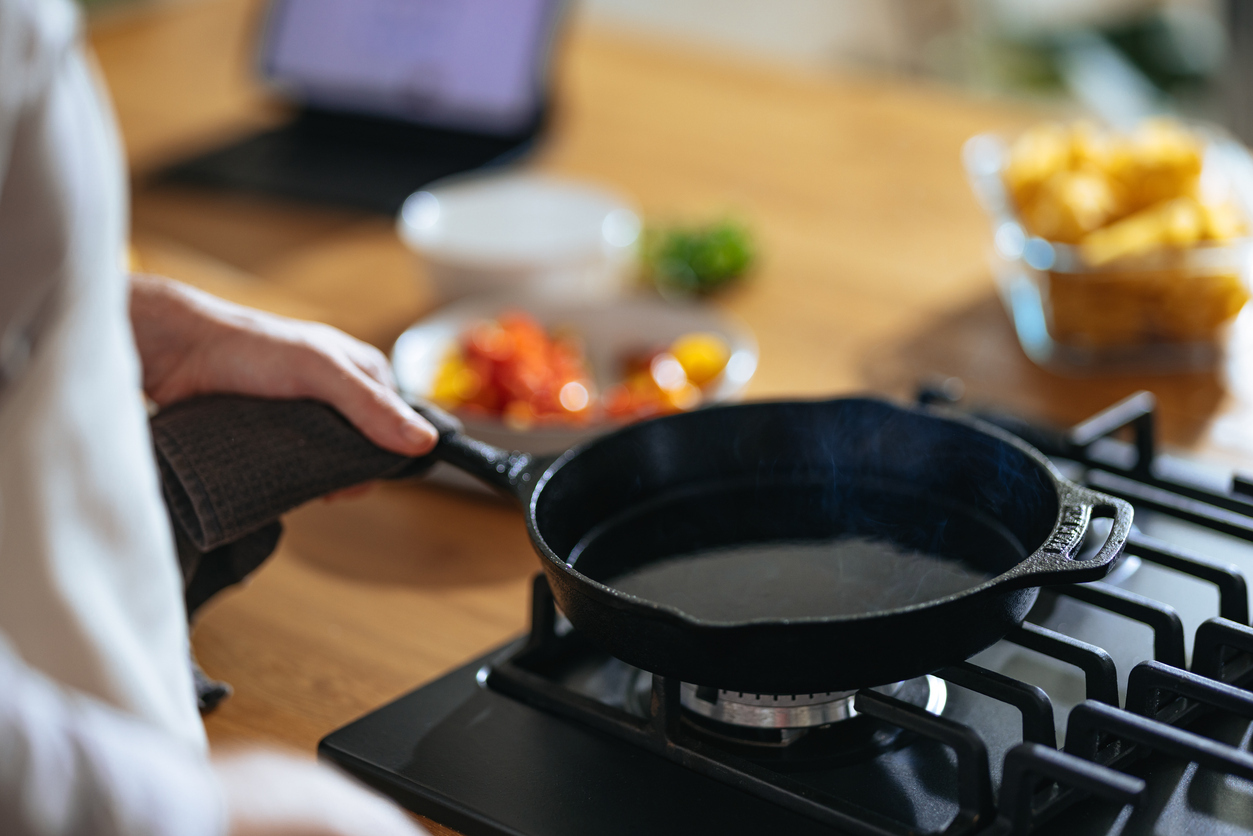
<point>873,277</point>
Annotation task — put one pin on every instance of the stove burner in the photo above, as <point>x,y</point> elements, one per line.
<point>772,711</point>
<point>799,711</point>
<point>802,731</point>
<point>789,731</point>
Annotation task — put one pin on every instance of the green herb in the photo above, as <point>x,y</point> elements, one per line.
<point>697,259</point>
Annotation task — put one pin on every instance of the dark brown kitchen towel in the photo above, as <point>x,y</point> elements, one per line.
<point>232,465</point>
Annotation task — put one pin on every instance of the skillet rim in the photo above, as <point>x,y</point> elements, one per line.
<point>999,584</point>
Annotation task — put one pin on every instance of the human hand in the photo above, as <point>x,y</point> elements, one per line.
<point>269,794</point>
<point>191,343</point>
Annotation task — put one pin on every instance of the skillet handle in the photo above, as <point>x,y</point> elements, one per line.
<point>1122,514</point>
<point>1055,562</point>
<point>507,470</point>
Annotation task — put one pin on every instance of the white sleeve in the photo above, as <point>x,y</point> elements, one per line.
<point>33,42</point>
<point>72,766</point>
<point>73,571</point>
<point>90,593</point>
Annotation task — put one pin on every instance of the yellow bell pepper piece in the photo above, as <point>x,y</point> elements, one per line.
<point>703,356</point>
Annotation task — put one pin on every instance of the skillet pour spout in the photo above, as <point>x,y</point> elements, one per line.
<point>800,546</point>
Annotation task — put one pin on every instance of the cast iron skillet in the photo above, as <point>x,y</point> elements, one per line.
<point>788,475</point>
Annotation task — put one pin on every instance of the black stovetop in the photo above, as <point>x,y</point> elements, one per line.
<point>548,735</point>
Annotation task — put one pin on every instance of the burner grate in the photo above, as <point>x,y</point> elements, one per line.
<point>1038,781</point>
<point>1100,737</point>
<point>521,676</point>
<point>1134,471</point>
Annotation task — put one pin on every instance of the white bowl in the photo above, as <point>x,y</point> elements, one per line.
<point>610,332</point>
<point>521,233</point>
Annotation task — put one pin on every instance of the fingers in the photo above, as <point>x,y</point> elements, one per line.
<point>372,407</point>
<point>371,361</point>
<point>364,356</point>
<point>268,794</point>
<point>254,353</point>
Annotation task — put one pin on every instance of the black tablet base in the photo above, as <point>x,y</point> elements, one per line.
<point>359,162</point>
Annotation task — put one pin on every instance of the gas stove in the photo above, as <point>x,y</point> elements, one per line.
<point>1117,707</point>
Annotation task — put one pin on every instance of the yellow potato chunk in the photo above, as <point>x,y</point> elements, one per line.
<point>1223,222</point>
<point>1166,162</point>
<point>1036,156</point>
<point>1069,205</point>
<point>1180,222</point>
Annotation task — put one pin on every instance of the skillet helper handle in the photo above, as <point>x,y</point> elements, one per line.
<point>1055,561</point>
<point>500,468</point>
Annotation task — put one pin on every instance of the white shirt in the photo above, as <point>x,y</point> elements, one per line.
<point>99,731</point>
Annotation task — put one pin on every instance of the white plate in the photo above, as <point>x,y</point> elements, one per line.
<point>610,332</point>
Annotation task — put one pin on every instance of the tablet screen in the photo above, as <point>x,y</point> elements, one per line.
<point>474,65</point>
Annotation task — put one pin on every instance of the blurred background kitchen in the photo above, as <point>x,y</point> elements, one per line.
<point>1169,53</point>
<point>816,145</point>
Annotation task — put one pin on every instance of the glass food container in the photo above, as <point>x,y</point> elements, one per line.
<point>1079,311</point>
